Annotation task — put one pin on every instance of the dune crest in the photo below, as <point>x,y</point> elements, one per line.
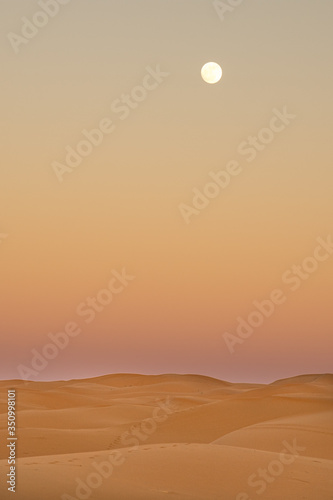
<point>178,436</point>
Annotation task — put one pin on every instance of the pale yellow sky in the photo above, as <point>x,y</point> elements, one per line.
<point>119,208</point>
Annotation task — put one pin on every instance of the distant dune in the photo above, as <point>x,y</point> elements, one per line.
<point>131,437</point>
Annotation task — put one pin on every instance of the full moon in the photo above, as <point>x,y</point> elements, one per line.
<point>211,72</point>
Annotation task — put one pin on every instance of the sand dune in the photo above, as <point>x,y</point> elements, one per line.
<point>172,436</point>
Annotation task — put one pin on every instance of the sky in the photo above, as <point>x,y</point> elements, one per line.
<point>122,235</point>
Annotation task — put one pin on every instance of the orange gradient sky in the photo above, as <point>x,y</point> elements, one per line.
<point>120,207</point>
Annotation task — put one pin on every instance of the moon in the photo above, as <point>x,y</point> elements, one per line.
<point>211,72</point>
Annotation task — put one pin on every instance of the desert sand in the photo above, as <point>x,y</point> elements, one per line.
<point>131,437</point>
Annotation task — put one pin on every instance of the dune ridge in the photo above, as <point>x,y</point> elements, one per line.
<point>178,436</point>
